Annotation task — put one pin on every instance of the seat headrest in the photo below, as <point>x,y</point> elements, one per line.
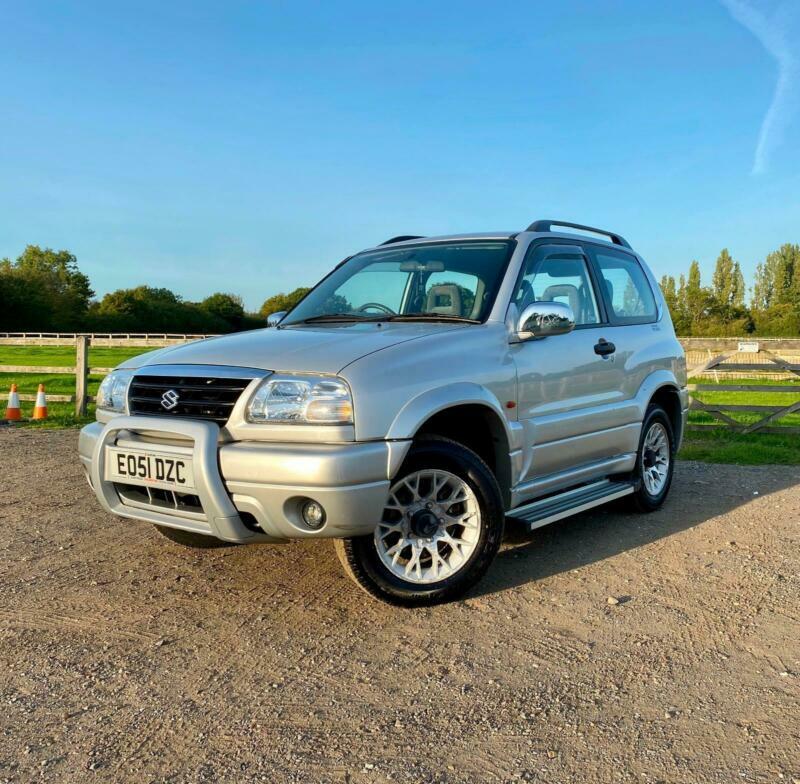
<point>444,298</point>
<point>551,293</point>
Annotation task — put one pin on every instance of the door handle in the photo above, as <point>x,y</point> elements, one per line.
<point>604,347</point>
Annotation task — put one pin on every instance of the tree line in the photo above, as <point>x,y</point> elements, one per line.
<point>723,309</point>
<point>43,290</point>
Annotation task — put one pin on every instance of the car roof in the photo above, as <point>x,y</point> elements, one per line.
<point>499,235</point>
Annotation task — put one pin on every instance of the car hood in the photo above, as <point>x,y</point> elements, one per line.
<point>303,349</point>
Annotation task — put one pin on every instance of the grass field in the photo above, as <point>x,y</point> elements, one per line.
<point>723,446</point>
<point>720,446</point>
<point>64,356</point>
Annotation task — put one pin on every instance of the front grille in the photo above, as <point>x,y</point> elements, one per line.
<point>194,397</point>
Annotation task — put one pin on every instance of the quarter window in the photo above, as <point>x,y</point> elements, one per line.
<point>628,293</point>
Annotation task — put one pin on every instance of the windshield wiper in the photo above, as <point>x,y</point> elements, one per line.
<point>344,317</point>
<point>337,317</point>
<point>431,317</point>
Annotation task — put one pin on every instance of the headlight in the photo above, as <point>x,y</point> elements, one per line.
<point>113,391</point>
<point>302,400</point>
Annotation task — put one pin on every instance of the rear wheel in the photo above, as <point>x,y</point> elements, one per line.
<point>440,530</point>
<point>190,539</point>
<point>655,461</point>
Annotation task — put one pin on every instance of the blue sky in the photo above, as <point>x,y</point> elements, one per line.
<point>247,147</point>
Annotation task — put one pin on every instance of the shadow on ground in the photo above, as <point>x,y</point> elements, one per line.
<point>608,531</point>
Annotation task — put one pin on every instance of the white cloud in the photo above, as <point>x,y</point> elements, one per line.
<point>774,35</point>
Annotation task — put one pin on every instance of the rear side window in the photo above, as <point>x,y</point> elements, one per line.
<point>627,291</point>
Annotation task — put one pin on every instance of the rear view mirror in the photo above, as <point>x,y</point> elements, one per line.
<point>275,318</point>
<point>419,266</point>
<point>543,319</point>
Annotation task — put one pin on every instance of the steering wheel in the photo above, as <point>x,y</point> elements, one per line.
<point>383,308</point>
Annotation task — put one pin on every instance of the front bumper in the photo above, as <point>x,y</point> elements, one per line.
<point>267,482</point>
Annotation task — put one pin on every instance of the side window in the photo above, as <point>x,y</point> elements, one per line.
<point>627,291</point>
<point>550,277</point>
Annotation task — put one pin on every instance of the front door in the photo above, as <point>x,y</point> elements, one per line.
<point>571,396</point>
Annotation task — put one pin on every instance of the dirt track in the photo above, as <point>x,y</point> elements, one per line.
<point>126,658</point>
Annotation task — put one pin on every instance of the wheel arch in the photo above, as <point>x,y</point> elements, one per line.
<point>468,414</point>
<point>663,388</point>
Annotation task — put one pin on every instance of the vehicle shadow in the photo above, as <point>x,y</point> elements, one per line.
<point>700,492</point>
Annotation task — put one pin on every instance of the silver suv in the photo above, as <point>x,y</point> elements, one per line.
<point>422,392</point>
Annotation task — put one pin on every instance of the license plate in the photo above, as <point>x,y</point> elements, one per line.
<point>152,469</point>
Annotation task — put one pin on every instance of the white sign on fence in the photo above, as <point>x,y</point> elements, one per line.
<point>748,346</point>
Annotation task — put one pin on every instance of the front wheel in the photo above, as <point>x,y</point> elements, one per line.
<point>440,530</point>
<point>655,461</point>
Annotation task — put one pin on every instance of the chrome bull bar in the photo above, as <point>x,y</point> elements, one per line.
<point>221,517</point>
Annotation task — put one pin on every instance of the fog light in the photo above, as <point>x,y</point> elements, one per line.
<point>313,514</point>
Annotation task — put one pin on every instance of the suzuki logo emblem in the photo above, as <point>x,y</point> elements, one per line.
<point>170,399</point>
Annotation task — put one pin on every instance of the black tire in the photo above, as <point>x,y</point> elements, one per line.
<point>363,564</point>
<point>190,539</point>
<point>642,500</point>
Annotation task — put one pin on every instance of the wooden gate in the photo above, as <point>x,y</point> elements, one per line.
<point>721,411</point>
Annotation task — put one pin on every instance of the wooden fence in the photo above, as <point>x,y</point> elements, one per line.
<point>81,369</point>
<point>133,339</point>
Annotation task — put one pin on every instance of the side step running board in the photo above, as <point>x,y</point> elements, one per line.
<point>556,507</point>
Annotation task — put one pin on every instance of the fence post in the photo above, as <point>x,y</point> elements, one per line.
<point>81,373</point>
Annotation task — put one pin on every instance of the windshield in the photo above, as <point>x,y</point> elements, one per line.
<point>442,281</point>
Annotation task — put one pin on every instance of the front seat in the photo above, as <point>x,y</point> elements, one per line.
<point>564,291</point>
<point>445,299</point>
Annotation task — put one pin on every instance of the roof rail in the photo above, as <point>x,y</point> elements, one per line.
<point>402,238</point>
<point>544,225</point>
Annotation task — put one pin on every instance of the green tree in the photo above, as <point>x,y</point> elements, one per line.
<point>738,289</point>
<point>696,296</point>
<point>227,307</point>
<point>278,302</point>
<point>147,309</point>
<point>777,321</point>
<point>17,313</point>
<point>777,279</point>
<point>726,314</point>
<point>675,297</point>
<point>44,290</point>
<point>776,293</point>
<point>727,283</point>
<point>631,301</point>
<point>722,281</point>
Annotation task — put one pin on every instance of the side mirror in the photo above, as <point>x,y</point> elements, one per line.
<point>543,319</point>
<point>275,318</point>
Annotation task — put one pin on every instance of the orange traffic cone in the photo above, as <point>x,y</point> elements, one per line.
<point>40,409</point>
<point>13,412</point>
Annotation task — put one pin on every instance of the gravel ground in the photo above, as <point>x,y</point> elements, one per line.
<point>609,647</point>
